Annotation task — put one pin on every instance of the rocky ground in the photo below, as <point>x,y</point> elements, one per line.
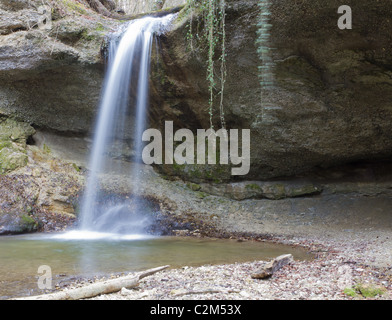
<point>336,273</point>
<point>346,227</point>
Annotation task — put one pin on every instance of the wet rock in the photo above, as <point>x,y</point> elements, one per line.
<point>15,223</point>
<point>271,267</point>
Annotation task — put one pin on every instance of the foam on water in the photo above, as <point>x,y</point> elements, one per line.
<point>94,235</point>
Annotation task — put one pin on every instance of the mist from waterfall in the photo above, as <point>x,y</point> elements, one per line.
<point>125,87</point>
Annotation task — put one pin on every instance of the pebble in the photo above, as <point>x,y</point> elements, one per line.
<point>244,294</point>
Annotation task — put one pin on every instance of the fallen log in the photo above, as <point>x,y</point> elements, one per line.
<point>95,289</point>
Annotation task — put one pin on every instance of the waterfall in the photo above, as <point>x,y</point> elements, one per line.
<point>127,74</point>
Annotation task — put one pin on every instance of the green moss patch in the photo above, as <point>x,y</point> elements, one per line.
<point>28,224</point>
<point>364,291</point>
<point>11,159</point>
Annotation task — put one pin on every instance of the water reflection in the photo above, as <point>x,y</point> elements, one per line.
<point>105,253</point>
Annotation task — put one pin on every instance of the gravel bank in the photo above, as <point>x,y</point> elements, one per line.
<point>338,272</point>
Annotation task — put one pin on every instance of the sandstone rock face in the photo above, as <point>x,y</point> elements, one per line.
<point>37,191</point>
<point>51,71</point>
<point>39,196</point>
<point>13,137</point>
<point>330,103</point>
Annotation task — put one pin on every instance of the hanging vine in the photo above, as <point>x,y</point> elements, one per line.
<point>213,14</point>
<point>263,44</point>
<point>223,60</point>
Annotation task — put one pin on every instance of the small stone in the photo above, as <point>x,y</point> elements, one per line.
<point>244,294</point>
<point>181,233</point>
<point>125,292</point>
<point>142,295</point>
<point>178,291</point>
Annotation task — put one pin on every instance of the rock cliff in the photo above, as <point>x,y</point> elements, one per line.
<point>330,103</point>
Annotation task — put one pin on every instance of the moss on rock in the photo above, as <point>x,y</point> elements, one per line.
<point>28,224</point>
<point>15,131</point>
<point>11,159</point>
<point>13,137</point>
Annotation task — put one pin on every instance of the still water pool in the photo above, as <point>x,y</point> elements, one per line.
<point>89,254</point>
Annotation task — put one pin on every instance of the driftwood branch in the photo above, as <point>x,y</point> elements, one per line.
<point>98,288</point>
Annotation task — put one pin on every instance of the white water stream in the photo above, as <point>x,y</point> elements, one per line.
<point>128,72</point>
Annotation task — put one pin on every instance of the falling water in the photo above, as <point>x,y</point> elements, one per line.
<point>128,72</point>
